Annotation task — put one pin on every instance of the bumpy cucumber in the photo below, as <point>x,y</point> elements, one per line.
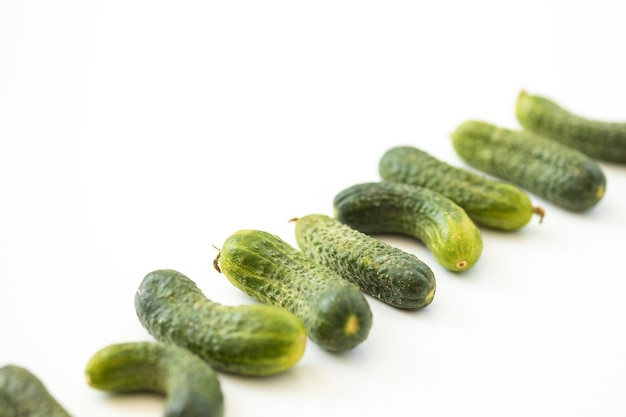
<point>336,314</point>
<point>387,207</point>
<point>385,272</point>
<point>490,203</point>
<point>598,139</point>
<point>251,339</point>
<point>558,173</point>
<point>190,384</point>
<point>22,394</point>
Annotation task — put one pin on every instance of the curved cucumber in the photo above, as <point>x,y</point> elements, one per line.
<point>598,139</point>
<point>558,173</point>
<point>190,384</point>
<point>253,340</point>
<point>385,272</point>
<point>336,314</point>
<point>490,203</point>
<point>387,207</point>
<point>22,394</point>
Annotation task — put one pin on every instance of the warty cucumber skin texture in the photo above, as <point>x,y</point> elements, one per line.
<point>256,339</point>
<point>264,266</point>
<point>490,203</point>
<point>598,139</point>
<point>558,173</point>
<point>23,394</point>
<point>190,385</point>
<point>385,272</point>
<point>387,207</point>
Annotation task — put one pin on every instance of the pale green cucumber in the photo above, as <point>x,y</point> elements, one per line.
<point>190,385</point>
<point>334,310</point>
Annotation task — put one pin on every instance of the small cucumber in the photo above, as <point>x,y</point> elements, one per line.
<point>255,339</point>
<point>558,173</point>
<point>336,314</point>
<point>490,203</point>
<point>22,394</point>
<point>385,272</point>
<point>387,207</point>
<point>190,384</point>
<point>598,139</point>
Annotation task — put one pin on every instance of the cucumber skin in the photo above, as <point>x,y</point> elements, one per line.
<point>273,272</point>
<point>387,273</point>
<point>22,394</point>
<point>558,173</point>
<point>190,384</point>
<point>490,203</point>
<point>256,340</point>
<point>598,139</point>
<point>388,207</point>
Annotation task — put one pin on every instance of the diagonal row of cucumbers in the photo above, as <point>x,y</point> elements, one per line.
<point>316,290</point>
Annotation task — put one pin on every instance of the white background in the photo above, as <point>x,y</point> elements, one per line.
<point>135,135</point>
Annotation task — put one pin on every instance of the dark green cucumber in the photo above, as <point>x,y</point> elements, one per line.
<point>490,203</point>
<point>336,314</point>
<point>22,394</point>
<point>598,139</point>
<point>558,173</point>
<point>251,339</point>
<point>385,272</point>
<point>387,207</point>
<point>190,384</point>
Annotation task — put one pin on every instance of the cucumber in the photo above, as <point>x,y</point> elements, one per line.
<point>387,207</point>
<point>334,310</point>
<point>489,202</point>
<point>22,394</point>
<point>558,173</point>
<point>387,273</point>
<point>596,138</point>
<point>256,340</point>
<point>190,384</point>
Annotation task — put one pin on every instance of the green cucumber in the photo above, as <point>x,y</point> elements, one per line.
<point>264,266</point>
<point>385,272</point>
<point>489,202</point>
<point>558,173</point>
<point>596,138</point>
<point>22,394</point>
<point>190,384</point>
<point>387,207</point>
<point>254,339</point>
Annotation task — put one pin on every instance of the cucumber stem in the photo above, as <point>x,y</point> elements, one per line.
<point>540,212</point>
<point>216,261</point>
